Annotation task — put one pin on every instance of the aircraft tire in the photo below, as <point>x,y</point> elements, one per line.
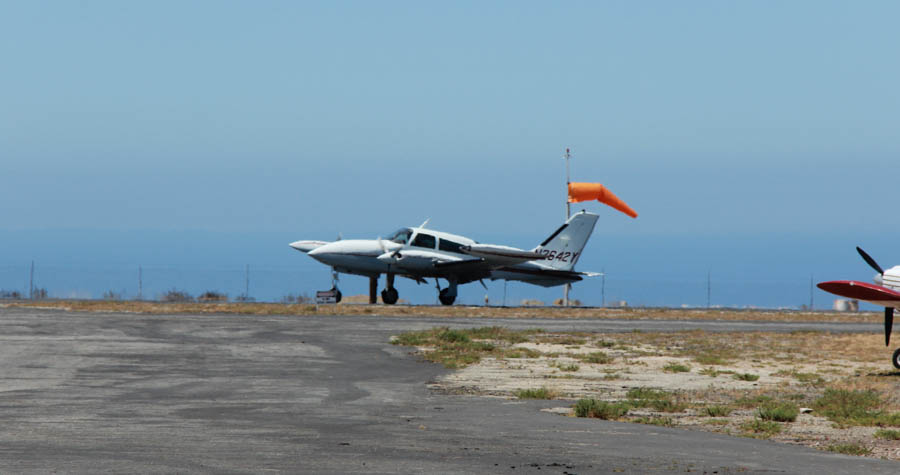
<point>446,299</point>
<point>390,296</point>
<point>896,359</point>
<point>337,297</point>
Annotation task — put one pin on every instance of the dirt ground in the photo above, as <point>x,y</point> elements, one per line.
<point>695,370</point>
<point>456,311</point>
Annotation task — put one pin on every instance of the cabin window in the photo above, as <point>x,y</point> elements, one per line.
<point>401,236</point>
<point>424,240</point>
<point>449,246</point>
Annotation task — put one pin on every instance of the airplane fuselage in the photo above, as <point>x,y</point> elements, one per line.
<point>418,253</point>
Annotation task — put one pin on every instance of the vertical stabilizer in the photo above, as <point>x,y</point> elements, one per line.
<point>563,247</point>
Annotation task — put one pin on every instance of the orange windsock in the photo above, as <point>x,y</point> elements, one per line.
<point>596,191</point>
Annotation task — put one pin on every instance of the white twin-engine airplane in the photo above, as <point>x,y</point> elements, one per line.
<point>417,253</point>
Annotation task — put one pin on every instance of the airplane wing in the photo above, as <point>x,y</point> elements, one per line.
<point>465,270</point>
<point>864,291</point>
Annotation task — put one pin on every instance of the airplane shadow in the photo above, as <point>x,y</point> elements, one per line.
<point>885,374</point>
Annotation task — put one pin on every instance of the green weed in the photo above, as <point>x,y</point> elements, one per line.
<point>849,449</point>
<point>597,357</point>
<point>854,408</point>
<point>541,393</point>
<point>590,407</point>
<point>888,434</point>
<point>676,368</point>
<point>716,411</point>
<point>784,412</point>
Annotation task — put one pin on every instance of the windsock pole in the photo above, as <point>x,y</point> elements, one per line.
<point>568,215</point>
<point>568,210</point>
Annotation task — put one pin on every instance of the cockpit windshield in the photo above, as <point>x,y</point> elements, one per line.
<point>401,236</point>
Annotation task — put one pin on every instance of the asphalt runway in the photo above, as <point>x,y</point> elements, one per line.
<point>132,393</point>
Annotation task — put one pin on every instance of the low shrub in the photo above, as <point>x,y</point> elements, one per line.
<point>10,294</point>
<point>597,357</point>
<point>676,368</point>
<point>540,393</point>
<point>784,412</point>
<point>590,407</point>
<point>851,407</point>
<point>212,296</point>
<point>716,411</point>
<point>654,399</point>
<point>746,377</point>
<point>849,449</point>
<point>176,296</point>
<point>888,434</point>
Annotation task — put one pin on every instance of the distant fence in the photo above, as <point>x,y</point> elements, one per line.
<point>266,283</point>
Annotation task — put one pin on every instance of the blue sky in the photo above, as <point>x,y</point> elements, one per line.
<point>714,120</point>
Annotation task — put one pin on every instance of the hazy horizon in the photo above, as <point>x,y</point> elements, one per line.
<point>762,270</point>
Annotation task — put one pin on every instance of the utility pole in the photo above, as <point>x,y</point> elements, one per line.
<point>31,282</point>
<point>140,283</point>
<point>811,302</point>
<point>568,214</point>
<point>708,288</point>
<point>247,282</point>
<point>603,287</point>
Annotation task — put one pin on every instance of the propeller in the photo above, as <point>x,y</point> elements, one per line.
<point>869,260</point>
<point>888,323</point>
<point>394,255</point>
<point>888,311</point>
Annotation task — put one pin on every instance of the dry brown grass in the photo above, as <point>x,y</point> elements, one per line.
<point>796,347</point>
<point>254,308</point>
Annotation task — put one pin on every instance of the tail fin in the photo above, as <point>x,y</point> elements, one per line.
<point>563,247</point>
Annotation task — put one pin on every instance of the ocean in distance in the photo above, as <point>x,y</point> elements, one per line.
<point>765,270</point>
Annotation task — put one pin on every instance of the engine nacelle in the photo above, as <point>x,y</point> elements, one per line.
<point>890,279</point>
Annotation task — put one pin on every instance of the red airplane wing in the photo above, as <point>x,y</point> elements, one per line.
<point>871,293</point>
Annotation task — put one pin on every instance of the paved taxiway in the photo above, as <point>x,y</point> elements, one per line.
<point>236,394</point>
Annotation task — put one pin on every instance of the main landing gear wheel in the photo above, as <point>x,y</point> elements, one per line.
<point>389,296</point>
<point>896,359</point>
<point>445,298</point>
<point>337,294</point>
